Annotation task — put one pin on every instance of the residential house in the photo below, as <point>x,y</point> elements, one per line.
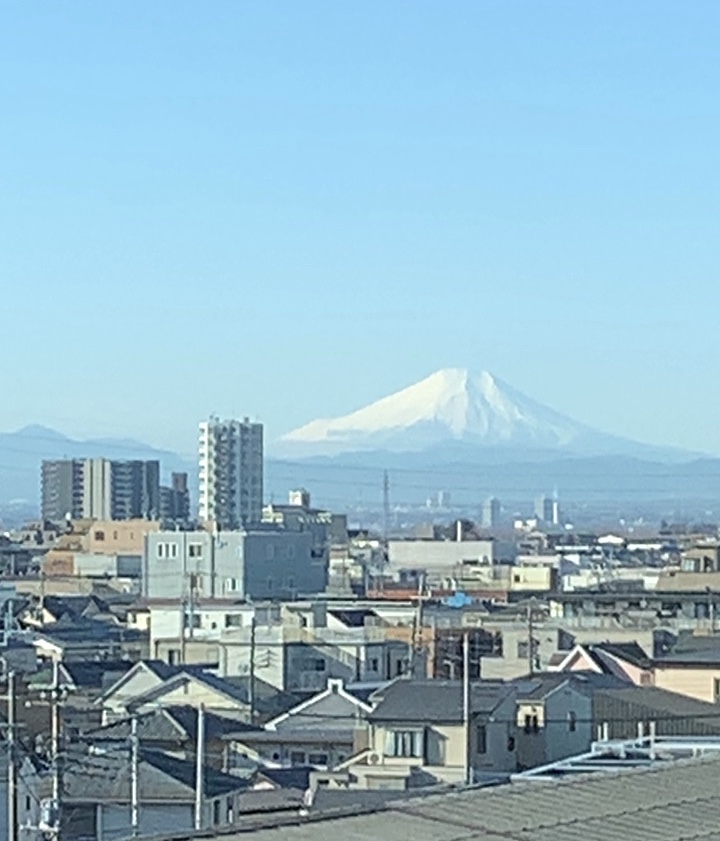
<point>554,718</point>
<point>419,736</point>
<point>691,667</point>
<point>320,732</point>
<point>97,796</point>
<point>28,787</point>
<point>173,730</point>
<point>89,639</point>
<point>626,660</point>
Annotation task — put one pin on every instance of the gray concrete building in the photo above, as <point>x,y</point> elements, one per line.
<point>100,489</point>
<point>258,563</point>
<point>231,473</point>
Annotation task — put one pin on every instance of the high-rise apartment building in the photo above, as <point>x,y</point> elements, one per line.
<point>231,473</point>
<point>547,510</point>
<point>175,499</point>
<point>100,489</point>
<point>490,515</point>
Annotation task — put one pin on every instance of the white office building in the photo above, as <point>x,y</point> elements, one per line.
<point>231,473</point>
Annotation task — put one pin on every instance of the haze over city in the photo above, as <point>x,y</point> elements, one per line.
<point>290,210</point>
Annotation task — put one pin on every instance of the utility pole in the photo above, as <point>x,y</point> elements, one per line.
<point>55,739</point>
<point>251,685</point>
<point>200,767</point>
<point>134,769</point>
<point>531,645</point>
<point>417,640</point>
<point>386,505</point>
<point>183,621</point>
<point>466,706</point>
<point>11,767</point>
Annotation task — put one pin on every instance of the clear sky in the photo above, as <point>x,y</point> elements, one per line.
<point>288,209</point>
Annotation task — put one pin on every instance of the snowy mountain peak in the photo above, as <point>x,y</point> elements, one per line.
<point>451,405</point>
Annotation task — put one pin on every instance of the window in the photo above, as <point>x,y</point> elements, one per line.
<point>167,550</point>
<point>233,620</point>
<point>297,757</point>
<point>195,550</point>
<point>405,743</point>
<point>232,585</point>
<point>194,621</point>
<point>173,656</point>
<point>716,690</point>
<point>216,812</point>
<point>481,738</point>
<point>230,811</point>
<point>318,759</point>
<point>99,535</point>
<point>315,664</point>
<point>572,722</point>
<point>374,664</point>
<point>532,724</point>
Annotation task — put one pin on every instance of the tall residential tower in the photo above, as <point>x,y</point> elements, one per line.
<point>231,472</point>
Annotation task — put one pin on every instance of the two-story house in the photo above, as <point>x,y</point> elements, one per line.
<point>420,734</point>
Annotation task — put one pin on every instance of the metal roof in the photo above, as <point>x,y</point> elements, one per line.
<point>675,802</point>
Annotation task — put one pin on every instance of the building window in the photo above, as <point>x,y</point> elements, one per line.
<point>404,743</point>
<point>572,722</point>
<point>233,620</point>
<point>194,621</point>
<point>232,585</point>
<point>230,812</point>
<point>297,757</point>
<point>716,689</point>
<point>481,738</point>
<point>173,656</point>
<point>99,535</point>
<point>374,664</point>
<point>532,724</point>
<point>318,759</point>
<point>195,550</point>
<point>167,550</point>
<point>216,812</point>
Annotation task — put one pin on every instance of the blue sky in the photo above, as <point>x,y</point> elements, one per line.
<point>288,209</point>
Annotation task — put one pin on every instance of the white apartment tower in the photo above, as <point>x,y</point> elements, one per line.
<point>231,473</point>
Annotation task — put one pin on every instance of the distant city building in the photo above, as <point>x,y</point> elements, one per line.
<point>175,499</point>
<point>300,497</point>
<point>490,516</point>
<point>231,473</point>
<point>547,510</point>
<point>100,489</point>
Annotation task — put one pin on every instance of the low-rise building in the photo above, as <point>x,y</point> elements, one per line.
<point>419,735</point>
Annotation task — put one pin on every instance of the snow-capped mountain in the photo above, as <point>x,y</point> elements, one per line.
<point>454,407</point>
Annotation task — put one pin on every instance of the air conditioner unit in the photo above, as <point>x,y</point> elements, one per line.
<point>373,758</point>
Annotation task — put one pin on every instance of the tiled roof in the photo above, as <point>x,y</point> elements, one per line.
<point>434,700</point>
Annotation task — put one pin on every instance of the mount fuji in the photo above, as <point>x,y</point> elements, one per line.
<point>458,412</point>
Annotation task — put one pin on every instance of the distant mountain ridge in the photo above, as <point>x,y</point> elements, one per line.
<point>461,411</point>
<point>22,453</point>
